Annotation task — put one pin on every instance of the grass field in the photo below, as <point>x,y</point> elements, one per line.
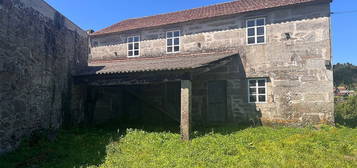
<point>218,147</point>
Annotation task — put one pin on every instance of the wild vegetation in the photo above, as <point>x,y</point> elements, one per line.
<point>325,146</point>
<point>346,107</point>
<point>345,74</point>
<point>346,112</point>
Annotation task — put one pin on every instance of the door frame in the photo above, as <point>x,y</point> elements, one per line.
<point>225,100</point>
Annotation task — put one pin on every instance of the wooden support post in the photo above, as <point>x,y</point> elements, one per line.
<point>186,92</point>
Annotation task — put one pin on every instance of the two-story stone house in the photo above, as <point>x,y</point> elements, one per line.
<point>251,61</point>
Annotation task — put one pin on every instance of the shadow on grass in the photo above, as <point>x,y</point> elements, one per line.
<point>350,123</point>
<point>78,147</point>
<point>71,148</point>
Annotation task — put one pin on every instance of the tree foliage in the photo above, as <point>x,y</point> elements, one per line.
<point>345,74</point>
<point>346,112</point>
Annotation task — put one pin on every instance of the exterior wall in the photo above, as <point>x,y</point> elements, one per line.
<point>300,85</point>
<point>39,51</point>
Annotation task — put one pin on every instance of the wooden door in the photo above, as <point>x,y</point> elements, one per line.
<point>217,101</point>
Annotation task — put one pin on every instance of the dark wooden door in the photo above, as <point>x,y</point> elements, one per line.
<point>217,101</point>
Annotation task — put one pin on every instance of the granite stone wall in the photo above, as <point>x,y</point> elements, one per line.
<point>40,50</point>
<point>295,61</point>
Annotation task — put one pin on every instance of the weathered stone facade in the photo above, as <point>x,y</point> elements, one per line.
<point>40,50</point>
<point>295,60</point>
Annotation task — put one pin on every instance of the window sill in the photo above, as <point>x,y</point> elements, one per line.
<point>172,52</point>
<point>257,44</point>
<point>133,56</point>
<point>258,102</point>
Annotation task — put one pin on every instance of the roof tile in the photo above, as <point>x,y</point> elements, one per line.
<point>228,8</point>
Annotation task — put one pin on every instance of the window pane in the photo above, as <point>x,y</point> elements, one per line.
<point>136,52</point>
<point>260,31</point>
<point>262,98</point>
<point>169,49</point>
<point>260,22</point>
<point>176,48</point>
<point>136,39</point>
<point>169,42</point>
<point>130,46</point>
<point>251,40</point>
<point>260,39</point>
<point>252,83</point>
<point>169,34</point>
<point>176,41</point>
<point>95,44</point>
<point>130,53</point>
<point>136,46</point>
<point>252,91</point>
<point>176,34</point>
<point>261,83</point>
<point>251,23</point>
<point>261,90</point>
<point>130,39</point>
<point>251,32</point>
<point>252,99</point>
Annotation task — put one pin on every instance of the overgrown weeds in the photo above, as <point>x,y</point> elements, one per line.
<point>211,147</point>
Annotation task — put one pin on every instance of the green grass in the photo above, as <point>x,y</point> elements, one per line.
<point>72,148</point>
<point>218,147</point>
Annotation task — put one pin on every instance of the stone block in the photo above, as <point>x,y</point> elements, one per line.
<point>315,97</point>
<point>286,83</point>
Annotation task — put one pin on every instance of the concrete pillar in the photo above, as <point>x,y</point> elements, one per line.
<point>186,106</point>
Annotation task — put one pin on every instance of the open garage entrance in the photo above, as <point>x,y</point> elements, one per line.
<point>138,105</point>
<point>155,92</point>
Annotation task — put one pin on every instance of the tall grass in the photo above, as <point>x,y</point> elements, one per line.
<point>252,147</point>
<point>211,147</point>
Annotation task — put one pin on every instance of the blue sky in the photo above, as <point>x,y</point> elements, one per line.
<point>97,14</point>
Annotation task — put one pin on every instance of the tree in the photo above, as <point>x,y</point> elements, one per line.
<point>345,74</point>
<point>346,112</point>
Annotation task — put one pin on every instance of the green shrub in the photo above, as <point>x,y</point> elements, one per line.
<point>346,112</point>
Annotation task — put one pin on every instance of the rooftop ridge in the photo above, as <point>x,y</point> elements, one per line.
<point>204,12</point>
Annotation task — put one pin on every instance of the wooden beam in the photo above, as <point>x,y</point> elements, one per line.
<point>186,106</point>
<point>133,78</point>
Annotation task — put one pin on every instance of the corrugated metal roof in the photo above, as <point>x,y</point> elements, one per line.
<point>164,63</point>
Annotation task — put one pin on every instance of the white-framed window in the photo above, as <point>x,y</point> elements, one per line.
<point>256,31</point>
<point>257,90</point>
<point>95,44</point>
<point>134,46</point>
<point>173,41</point>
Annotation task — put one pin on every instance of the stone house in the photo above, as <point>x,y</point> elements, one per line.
<point>343,91</point>
<point>246,61</point>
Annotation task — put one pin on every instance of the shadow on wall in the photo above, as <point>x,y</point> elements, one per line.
<point>228,105</point>
<point>159,104</point>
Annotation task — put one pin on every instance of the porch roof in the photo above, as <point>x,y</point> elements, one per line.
<point>163,63</point>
